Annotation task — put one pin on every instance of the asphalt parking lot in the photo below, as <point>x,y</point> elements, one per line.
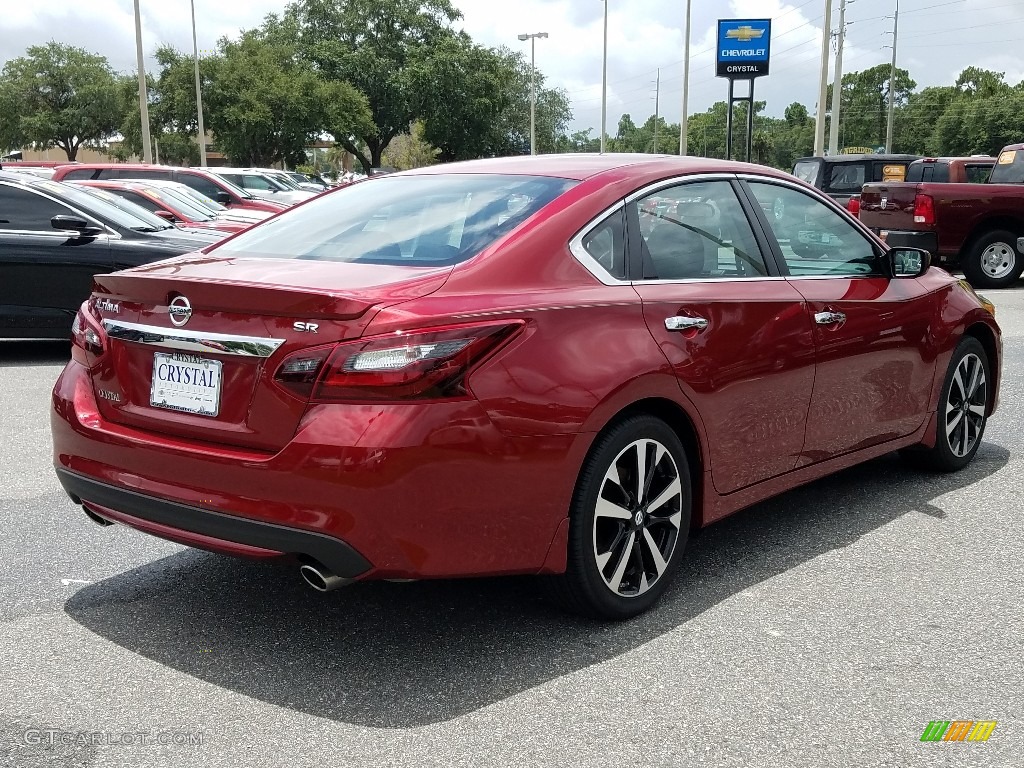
<point>823,628</point>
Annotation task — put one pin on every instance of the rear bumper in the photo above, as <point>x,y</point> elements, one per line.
<point>427,490</point>
<point>209,529</point>
<point>896,238</point>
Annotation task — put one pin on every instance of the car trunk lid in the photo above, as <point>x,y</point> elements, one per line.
<point>193,343</point>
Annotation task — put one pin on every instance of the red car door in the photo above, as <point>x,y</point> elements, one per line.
<point>738,338</point>
<point>873,373</point>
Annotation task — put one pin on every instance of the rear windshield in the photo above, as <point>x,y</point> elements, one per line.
<point>807,170</point>
<point>408,220</point>
<point>928,172</point>
<point>1009,168</point>
<point>978,174</point>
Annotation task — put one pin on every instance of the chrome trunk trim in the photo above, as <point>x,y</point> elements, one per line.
<point>192,341</point>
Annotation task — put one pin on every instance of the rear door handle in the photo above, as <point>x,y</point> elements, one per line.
<point>682,323</point>
<point>829,318</point>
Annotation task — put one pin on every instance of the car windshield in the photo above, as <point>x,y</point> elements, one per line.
<point>429,220</point>
<point>116,209</point>
<point>199,198</point>
<point>285,180</point>
<point>1009,168</point>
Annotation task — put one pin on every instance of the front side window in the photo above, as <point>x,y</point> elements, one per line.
<point>23,210</point>
<point>428,220</point>
<point>697,231</point>
<point>814,238</point>
<point>200,184</point>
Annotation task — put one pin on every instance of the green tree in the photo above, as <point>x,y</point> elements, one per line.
<point>864,104</point>
<point>58,95</point>
<point>371,44</point>
<point>266,104</point>
<point>410,150</point>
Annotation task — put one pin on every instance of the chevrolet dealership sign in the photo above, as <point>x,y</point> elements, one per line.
<point>744,48</point>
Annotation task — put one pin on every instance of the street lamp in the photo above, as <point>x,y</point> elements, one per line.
<point>147,149</point>
<point>604,81</point>
<point>533,86</point>
<point>199,91</point>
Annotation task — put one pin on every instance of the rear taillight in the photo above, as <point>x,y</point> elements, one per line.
<point>924,210</point>
<point>431,363</point>
<point>86,335</point>
<point>853,205</point>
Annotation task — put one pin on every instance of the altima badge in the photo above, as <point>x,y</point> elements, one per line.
<point>180,310</point>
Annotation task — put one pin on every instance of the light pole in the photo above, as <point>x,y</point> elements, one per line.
<point>533,86</point>
<point>604,81</point>
<point>892,81</point>
<point>837,83</point>
<point>199,91</point>
<point>147,149</point>
<point>819,127</point>
<point>683,123</point>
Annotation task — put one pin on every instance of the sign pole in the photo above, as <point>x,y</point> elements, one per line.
<point>750,120</point>
<point>744,48</point>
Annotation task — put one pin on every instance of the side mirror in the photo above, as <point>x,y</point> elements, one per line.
<point>75,224</point>
<point>908,262</point>
<point>223,198</point>
<point>166,215</point>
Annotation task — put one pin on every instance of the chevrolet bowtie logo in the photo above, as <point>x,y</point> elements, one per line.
<point>745,34</point>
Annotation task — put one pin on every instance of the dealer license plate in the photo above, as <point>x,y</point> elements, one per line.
<point>187,383</point>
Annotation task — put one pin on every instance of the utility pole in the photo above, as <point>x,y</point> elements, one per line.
<point>199,91</point>
<point>657,108</point>
<point>837,83</point>
<point>604,82</point>
<point>533,87</point>
<point>819,126</point>
<point>684,122</point>
<point>147,147</point>
<point>892,80</point>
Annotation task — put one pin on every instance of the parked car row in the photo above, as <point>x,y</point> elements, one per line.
<point>967,212</point>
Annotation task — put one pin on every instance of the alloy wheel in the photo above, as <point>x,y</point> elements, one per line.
<point>965,405</point>
<point>637,518</point>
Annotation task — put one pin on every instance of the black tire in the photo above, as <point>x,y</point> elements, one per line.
<point>992,260</point>
<point>630,564</point>
<point>954,422</point>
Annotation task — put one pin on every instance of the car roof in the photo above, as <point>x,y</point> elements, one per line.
<point>971,159</point>
<point>582,166</point>
<point>860,158</point>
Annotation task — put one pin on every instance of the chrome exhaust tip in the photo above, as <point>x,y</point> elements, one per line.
<point>321,579</point>
<point>100,521</point>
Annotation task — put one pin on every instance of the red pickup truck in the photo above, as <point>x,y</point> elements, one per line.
<point>971,226</point>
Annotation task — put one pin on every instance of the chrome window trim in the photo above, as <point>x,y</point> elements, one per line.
<point>592,265</point>
<point>195,341</point>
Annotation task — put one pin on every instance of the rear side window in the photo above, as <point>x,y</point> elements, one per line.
<point>846,177</point>
<point>807,170</point>
<point>141,175</point>
<point>978,174</point>
<point>406,220</point>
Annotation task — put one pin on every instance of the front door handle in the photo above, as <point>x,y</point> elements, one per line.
<point>682,323</point>
<point>829,318</point>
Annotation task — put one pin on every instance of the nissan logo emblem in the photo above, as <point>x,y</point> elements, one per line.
<point>180,310</point>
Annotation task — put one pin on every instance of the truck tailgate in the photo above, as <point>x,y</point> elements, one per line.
<point>889,206</point>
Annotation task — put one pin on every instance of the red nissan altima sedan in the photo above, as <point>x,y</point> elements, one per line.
<point>558,365</point>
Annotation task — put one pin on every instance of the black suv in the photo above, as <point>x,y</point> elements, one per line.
<point>841,176</point>
<point>54,237</point>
